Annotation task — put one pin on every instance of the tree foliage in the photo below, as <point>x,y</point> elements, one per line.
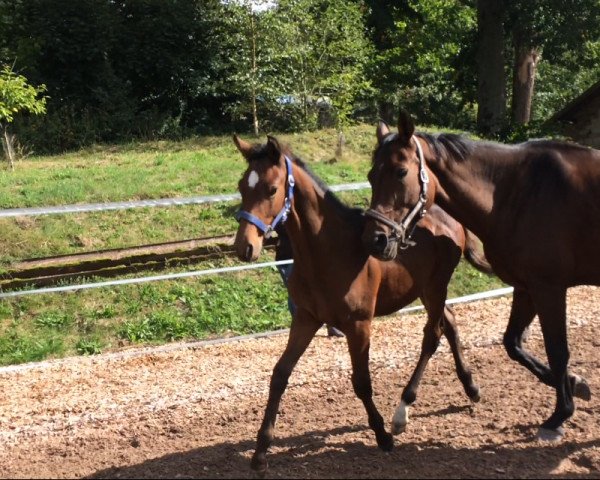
<point>16,97</point>
<point>121,69</point>
<point>421,53</point>
<point>556,41</point>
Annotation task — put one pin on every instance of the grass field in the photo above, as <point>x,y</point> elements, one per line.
<point>202,166</point>
<point>93,321</point>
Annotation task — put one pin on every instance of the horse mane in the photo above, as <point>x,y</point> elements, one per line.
<point>350,214</point>
<point>445,145</point>
<point>449,145</point>
<point>459,147</point>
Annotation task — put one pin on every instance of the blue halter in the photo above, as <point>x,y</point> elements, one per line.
<point>283,213</point>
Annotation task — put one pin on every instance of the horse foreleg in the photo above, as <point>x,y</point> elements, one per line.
<point>431,339</point>
<point>463,372</point>
<point>522,313</point>
<point>302,331</point>
<point>358,337</point>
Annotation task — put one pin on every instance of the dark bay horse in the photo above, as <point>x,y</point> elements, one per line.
<point>536,208</point>
<point>335,281</point>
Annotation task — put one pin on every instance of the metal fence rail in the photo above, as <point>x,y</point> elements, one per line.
<point>152,278</point>
<point>159,202</point>
<point>94,207</point>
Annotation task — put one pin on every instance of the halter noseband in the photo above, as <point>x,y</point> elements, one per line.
<point>283,213</point>
<point>399,231</point>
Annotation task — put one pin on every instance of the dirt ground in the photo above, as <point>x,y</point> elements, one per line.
<point>194,412</point>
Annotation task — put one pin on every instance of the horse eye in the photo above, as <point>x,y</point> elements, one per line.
<point>401,173</point>
<point>272,190</point>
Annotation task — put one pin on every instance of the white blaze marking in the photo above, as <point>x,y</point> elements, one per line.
<point>400,418</point>
<point>252,179</point>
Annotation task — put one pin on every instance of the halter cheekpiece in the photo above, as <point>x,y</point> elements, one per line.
<point>399,231</point>
<point>281,217</point>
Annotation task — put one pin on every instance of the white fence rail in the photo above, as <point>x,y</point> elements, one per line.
<point>165,202</point>
<point>159,202</point>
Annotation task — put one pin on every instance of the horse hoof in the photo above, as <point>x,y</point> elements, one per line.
<point>385,442</point>
<point>582,389</point>
<point>474,394</point>
<point>259,465</point>
<point>398,428</point>
<point>550,435</point>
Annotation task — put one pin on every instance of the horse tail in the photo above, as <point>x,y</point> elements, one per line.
<point>474,254</point>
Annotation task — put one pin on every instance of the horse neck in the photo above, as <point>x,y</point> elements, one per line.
<point>465,188</point>
<point>316,229</point>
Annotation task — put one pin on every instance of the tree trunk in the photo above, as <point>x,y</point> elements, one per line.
<point>526,60</point>
<point>491,89</point>
<point>254,69</point>
<point>8,141</point>
<point>339,148</point>
<point>387,112</point>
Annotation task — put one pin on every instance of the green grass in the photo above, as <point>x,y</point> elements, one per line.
<point>94,321</point>
<point>89,322</point>
<point>149,170</point>
<point>201,166</point>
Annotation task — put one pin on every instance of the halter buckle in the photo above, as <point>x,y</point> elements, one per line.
<point>407,243</point>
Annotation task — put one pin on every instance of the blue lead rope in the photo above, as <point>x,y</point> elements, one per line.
<point>283,213</point>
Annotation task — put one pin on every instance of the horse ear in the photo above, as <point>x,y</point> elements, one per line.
<point>273,149</point>
<point>406,127</point>
<point>244,147</point>
<point>382,130</point>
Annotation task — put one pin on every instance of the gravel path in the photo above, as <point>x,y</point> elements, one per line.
<point>194,412</point>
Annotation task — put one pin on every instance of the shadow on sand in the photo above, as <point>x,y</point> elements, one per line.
<point>310,456</point>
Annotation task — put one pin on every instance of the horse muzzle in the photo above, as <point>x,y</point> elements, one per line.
<point>380,245</point>
<point>247,246</point>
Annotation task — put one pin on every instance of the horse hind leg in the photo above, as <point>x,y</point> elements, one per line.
<point>551,305</point>
<point>522,314</point>
<point>463,372</point>
<point>302,331</point>
<point>358,339</point>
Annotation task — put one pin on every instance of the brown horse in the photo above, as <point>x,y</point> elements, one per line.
<point>335,281</point>
<point>536,208</point>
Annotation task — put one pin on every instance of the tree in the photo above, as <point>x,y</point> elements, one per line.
<point>420,54</point>
<point>491,79</point>
<point>514,37</point>
<point>325,52</point>
<point>290,63</point>
<point>16,96</point>
<point>545,28</point>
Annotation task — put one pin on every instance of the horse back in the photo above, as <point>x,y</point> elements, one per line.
<point>547,219</point>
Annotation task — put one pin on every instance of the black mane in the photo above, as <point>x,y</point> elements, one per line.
<point>449,145</point>
<point>350,214</point>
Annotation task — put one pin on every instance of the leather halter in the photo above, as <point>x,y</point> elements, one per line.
<point>399,231</point>
<point>281,217</point>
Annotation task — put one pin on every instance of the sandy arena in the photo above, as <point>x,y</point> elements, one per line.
<point>194,412</point>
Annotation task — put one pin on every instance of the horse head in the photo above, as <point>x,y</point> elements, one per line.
<point>266,188</point>
<point>401,192</point>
